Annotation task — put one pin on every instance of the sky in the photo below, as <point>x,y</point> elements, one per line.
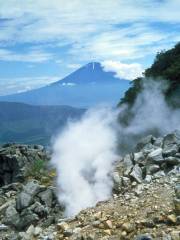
<point>42,41</point>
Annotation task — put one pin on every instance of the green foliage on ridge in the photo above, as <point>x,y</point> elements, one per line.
<point>166,67</point>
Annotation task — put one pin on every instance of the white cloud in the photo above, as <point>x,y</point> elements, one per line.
<point>128,43</point>
<point>22,84</point>
<point>73,66</point>
<point>70,84</point>
<point>34,56</point>
<point>123,70</point>
<point>44,20</point>
<point>90,27</point>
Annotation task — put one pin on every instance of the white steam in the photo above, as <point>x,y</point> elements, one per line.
<point>86,150</point>
<point>150,114</point>
<point>151,110</point>
<point>83,155</point>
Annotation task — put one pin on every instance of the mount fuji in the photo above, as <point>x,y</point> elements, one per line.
<point>88,86</point>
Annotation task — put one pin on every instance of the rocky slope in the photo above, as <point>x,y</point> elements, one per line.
<point>145,202</point>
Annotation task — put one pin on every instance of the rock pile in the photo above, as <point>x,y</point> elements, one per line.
<point>145,203</point>
<point>15,161</point>
<point>153,158</point>
<point>30,204</point>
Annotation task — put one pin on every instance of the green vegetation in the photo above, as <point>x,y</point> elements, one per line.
<point>37,168</point>
<point>166,67</point>
<point>40,171</point>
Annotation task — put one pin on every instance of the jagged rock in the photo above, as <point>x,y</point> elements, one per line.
<point>117,180</point>
<point>137,173</point>
<point>12,217</point>
<point>108,224</point>
<point>172,138</point>
<point>159,174</point>
<point>142,202</point>
<point>170,150</point>
<point>27,217</point>
<point>139,157</point>
<point>149,148</point>
<point>32,187</point>
<point>23,200</point>
<point>172,160</point>
<point>144,141</point>
<point>175,170</point>
<point>46,197</point>
<point>155,156</point>
<point>126,182</point>
<point>15,161</point>
<point>151,169</point>
<point>26,197</point>
<point>148,178</point>
<point>128,164</point>
<point>39,209</point>
<point>158,142</point>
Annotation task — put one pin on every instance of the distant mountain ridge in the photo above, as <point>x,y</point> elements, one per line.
<point>22,123</point>
<point>88,86</point>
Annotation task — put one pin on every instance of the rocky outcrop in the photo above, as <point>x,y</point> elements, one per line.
<point>153,158</point>
<point>145,203</point>
<point>16,160</point>
<point>29,204</point>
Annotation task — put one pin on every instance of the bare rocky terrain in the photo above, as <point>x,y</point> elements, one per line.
<point>145,202</point>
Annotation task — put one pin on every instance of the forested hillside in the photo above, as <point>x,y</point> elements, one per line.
<point>166,68</point>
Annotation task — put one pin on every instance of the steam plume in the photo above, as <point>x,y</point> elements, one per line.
<point>86,150</point>
<point>84,154</point>
<point>151,115</point>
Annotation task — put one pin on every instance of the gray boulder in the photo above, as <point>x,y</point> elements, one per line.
<point>46,197</point>
<point>137,173</point>
<point>27,217</point>
<point>26,197</point>
<point>158,142</point>
<point>172,138</point>
<point>152,168</point>
<point>144,141</point>
<point>155,156</point>
<point>12,217</point>
<point>39,209</point>
<point>24,200</point>
<point>128,164</point>
<point>170,150</point>
<point>172,160</point>
<point>117,180</point>
<point>139,158</point>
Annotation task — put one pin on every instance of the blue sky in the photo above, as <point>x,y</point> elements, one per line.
<point>42,41</point>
